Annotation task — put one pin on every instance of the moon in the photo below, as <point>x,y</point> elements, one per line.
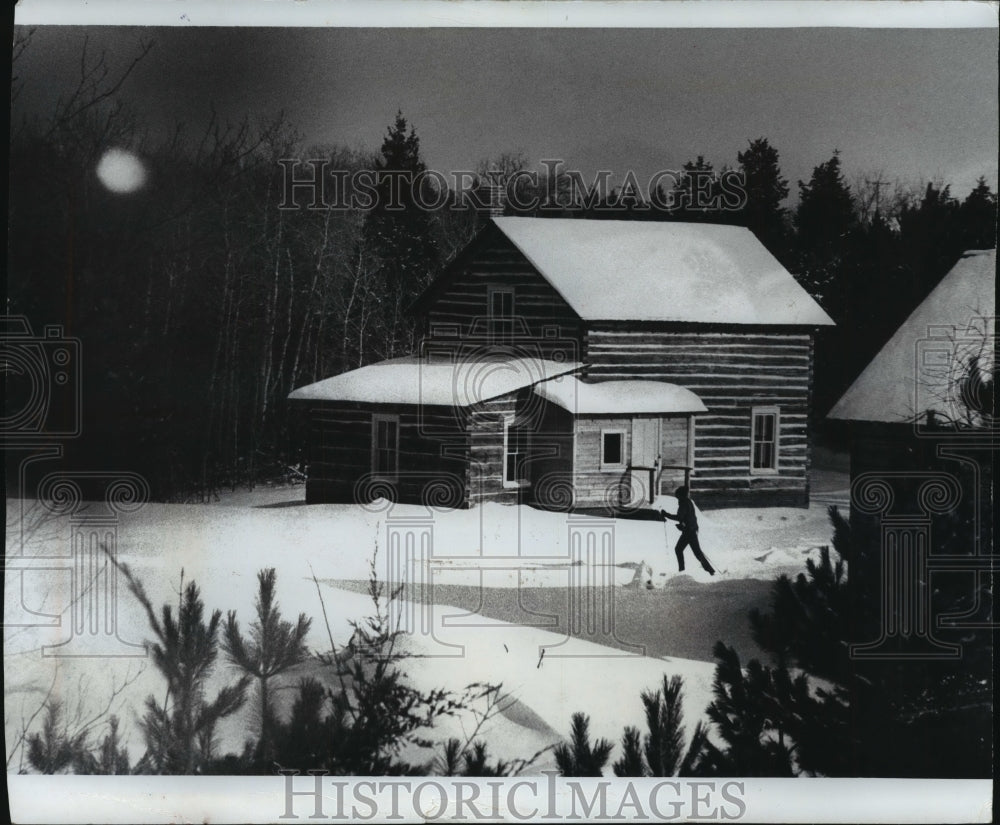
<point>121,171</point>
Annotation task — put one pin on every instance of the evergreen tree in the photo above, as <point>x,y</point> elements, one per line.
<point>111,758</point>
<point>274,647</point>
<point>398,231</point>
<point>696,193</point>
<point>662,752</point>
<point>305,742</point>
<point>749,717</point>
<point>932,238</point>
<point>824,220</point>
<point>55,749</point>
<point>869,303</point>
<point>878,717</point>
<point>179,732</point>
<point>765,188</point>
<point>806,623</point>
<point>477,763</point>
<point>472,759</point>
<point>825,224</point>
<point>665,740</point>
<point>580,757</point>
<point>365,715</point>
<point>825,214</point>
<point>631,762</point>
<point>978,215</point>
<point>774,723</point>
<point>370,713</point>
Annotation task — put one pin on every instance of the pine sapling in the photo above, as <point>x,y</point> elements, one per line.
<point>579,757</point>
<point>631,762</point>
<point>184,651</point>
<point>274,646</point>
<point>661,752</point>
<point>54,750</point>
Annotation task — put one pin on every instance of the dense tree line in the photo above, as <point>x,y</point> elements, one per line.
<point>200,303</point>
<point>868,257</point>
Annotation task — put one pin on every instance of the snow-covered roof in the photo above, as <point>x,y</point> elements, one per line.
<point>624,397</point>
<point>918,369</point>
<point>662,271</point>
<point>413,380</point>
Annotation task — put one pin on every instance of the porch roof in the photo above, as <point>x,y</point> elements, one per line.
<point>656,397</point>
<point>414,380</point>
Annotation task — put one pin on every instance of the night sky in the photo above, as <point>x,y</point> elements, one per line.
<point>914,105</point>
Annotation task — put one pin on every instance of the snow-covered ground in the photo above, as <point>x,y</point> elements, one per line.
<point>223,545</point>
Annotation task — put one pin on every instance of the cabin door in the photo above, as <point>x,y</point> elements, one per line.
<point>677,442</point>
<point>645,449</point>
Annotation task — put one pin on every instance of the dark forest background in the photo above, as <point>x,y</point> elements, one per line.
<point>200,304</point>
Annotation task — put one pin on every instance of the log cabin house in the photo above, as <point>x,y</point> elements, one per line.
<point>921,409</point>
<point>583,364</point>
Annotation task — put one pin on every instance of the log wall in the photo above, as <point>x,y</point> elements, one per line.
<point>486,451</point>
<point>602,488</point>
<point>596,487</point>
<point>732,372</point>
<point>545,322</point>
<point>432,445</point>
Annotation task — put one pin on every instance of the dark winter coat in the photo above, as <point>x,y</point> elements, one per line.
<point>686,518</point>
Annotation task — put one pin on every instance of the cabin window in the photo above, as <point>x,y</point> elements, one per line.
<point>501,314</point>
<point>515,453</point>
<point>764,440</point>
<point>612,449</point>
<point>385,445</point>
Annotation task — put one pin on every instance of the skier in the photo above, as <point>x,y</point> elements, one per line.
<point>687,523</point>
